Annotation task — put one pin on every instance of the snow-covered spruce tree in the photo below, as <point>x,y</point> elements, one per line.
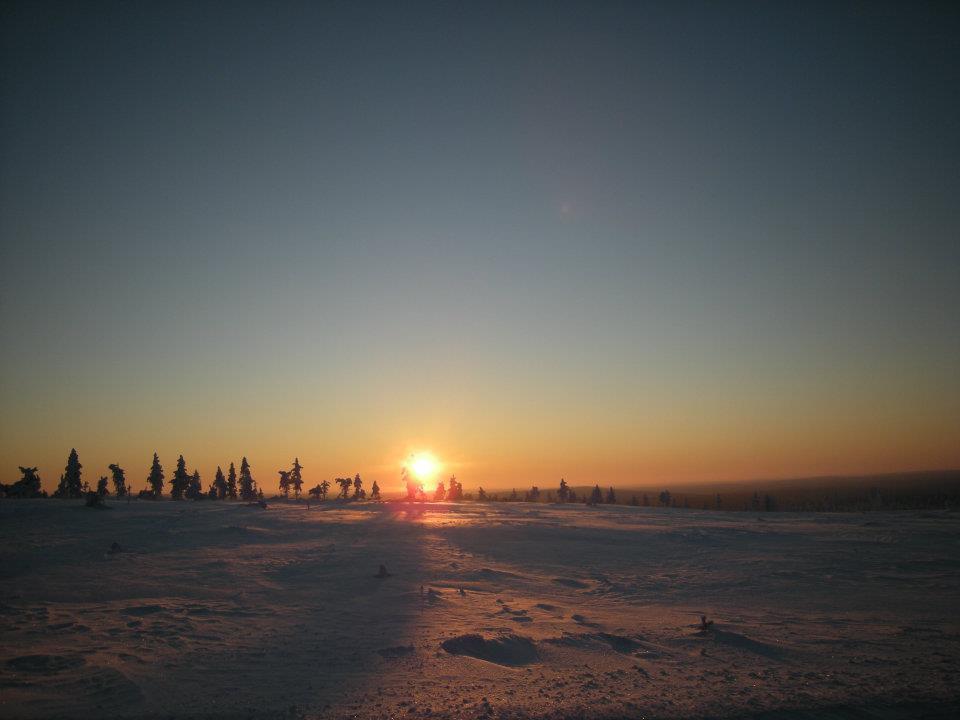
<point>375,491</point>
<point>103,488</point>
<point>180,480</point>
<point>155,478</point>
<point>220,484</point>
<point>611,497</point>
<point>247,486</point>
<point>71,485</point>
<point>232,482</point>
<point>119,480</point>
<point>296,477</point>
<point>194,489</point>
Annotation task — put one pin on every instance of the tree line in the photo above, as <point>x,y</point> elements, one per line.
<point>183,485</point>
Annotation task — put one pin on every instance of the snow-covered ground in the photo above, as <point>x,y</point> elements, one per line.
<point>216,609</point>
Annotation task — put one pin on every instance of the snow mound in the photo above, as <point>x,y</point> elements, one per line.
<point>43,664</point>
<point>503,650</point>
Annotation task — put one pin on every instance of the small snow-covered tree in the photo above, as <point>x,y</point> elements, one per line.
<point>596,497</point>
<point>374,491</point>
<point>440,494</point>
<point>194,489</point>
<point>27,486</point>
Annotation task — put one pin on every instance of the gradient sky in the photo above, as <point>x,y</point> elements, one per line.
<point>616,242</point>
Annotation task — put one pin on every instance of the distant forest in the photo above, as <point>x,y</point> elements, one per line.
<point>896,491</point>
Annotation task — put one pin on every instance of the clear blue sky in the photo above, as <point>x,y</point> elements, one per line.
<point>636,240</point>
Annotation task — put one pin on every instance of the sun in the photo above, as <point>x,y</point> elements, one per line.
<point>423,465</point>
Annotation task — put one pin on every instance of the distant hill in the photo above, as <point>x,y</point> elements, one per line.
<point>887,491</point>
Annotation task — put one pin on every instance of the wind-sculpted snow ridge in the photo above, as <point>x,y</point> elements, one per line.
<point>219,610</point>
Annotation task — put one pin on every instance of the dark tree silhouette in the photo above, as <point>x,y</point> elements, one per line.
<point>534,494</point>
<point>320,491</point>
<point>155,478</point>
<point>633,501</point>
<point>665,498</point>
<point>103,488</point>
<point>374,491</point>
<point>513,496</point>
<point>296,477</point>
<point>611,497</point>
<point>194,489</point>
<point>220,484</point>
<point>180,480</point>
<point>440,494</point>
<point>358,492</point>
<point>717,502</point>
<point>284,482</point>
<point>247,486</point>
<point>563,493</point>
<point>455,490</point>
<point>71,485</point>
<point>120,488</point>
<point>345,485</point>
<point>26,487</point>
<point>232,482</point>
<point>481,495</point>
<point>596,497</point>
<point>212,491</point>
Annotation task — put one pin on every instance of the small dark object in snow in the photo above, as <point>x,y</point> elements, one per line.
<point>462,591</point>
<point>382,573</point>
<point>115,548</point>
<point>705,625</point>
<point>262,504</point>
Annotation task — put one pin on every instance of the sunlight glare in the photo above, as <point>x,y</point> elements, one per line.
<point>424,466</point>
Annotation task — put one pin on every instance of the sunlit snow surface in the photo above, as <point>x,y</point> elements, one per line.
<point>223,610</point>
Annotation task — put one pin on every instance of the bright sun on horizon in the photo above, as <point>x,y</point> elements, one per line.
<point>423,465</point>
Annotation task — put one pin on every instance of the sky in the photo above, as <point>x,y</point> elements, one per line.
<point>613,242</point>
